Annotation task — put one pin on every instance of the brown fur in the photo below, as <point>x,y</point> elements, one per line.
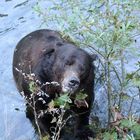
<point>51,58</point>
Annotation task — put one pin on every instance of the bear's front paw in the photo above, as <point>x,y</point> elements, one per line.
<point>84,134</point>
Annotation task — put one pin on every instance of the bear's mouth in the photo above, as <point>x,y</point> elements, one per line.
<point>70,85</point>
<point>66,89</point>
<point>70,82</point>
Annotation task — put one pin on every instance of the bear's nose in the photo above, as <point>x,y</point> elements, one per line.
<point>74,82</point>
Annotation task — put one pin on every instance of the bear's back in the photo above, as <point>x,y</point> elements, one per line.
<point>30,50</point>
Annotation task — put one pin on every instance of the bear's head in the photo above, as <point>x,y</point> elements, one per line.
<point>71,66</point>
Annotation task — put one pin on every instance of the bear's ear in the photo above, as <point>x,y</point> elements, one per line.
<point>49,51</point>
<point>94,57</point>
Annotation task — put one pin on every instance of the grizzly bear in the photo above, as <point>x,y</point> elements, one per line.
<point>53,59</point>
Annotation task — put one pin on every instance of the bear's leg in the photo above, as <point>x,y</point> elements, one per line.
<point>83,131</point>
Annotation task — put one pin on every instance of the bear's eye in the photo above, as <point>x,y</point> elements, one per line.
<point>68,63</point>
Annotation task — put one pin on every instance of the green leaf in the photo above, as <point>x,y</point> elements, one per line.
<point>127,123</point>
<point>136,81</point>
<point>45,137</point>
<point>110,136</point>
<point>32,86</point>
<point>81,96</point>
<point>62,100</point>
<point>130,76</point>
<point>124,96</point>
<point>136,130</point>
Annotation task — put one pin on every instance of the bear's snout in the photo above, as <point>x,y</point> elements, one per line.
<point>70,83</point>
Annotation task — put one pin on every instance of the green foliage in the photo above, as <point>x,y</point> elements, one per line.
<point>127,123</point>
<point>110,136</point>
<point>45,138</point>
<point>81,96</point>
<point>86,22</point>
<point>131,125</point>
<point>62,101</point>
<point>134,77</point>
<point>32,86</point>
<point>136,130</point>
<point>136,80</point>
<point>124,129</point>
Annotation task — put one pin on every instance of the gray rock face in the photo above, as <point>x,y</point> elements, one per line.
<point>17,23</point>
<point>130,104</point>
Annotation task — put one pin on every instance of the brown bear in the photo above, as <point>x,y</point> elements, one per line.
<point>52,59</point>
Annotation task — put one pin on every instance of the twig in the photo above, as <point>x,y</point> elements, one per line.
<point>139,92</point>
<point>36,118</point>
<point>133,74</point>
<point>96,51</point>
<point>116,74</point>
<point>123,77</point>
<point>109,92</point>
<point>130,108</point>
